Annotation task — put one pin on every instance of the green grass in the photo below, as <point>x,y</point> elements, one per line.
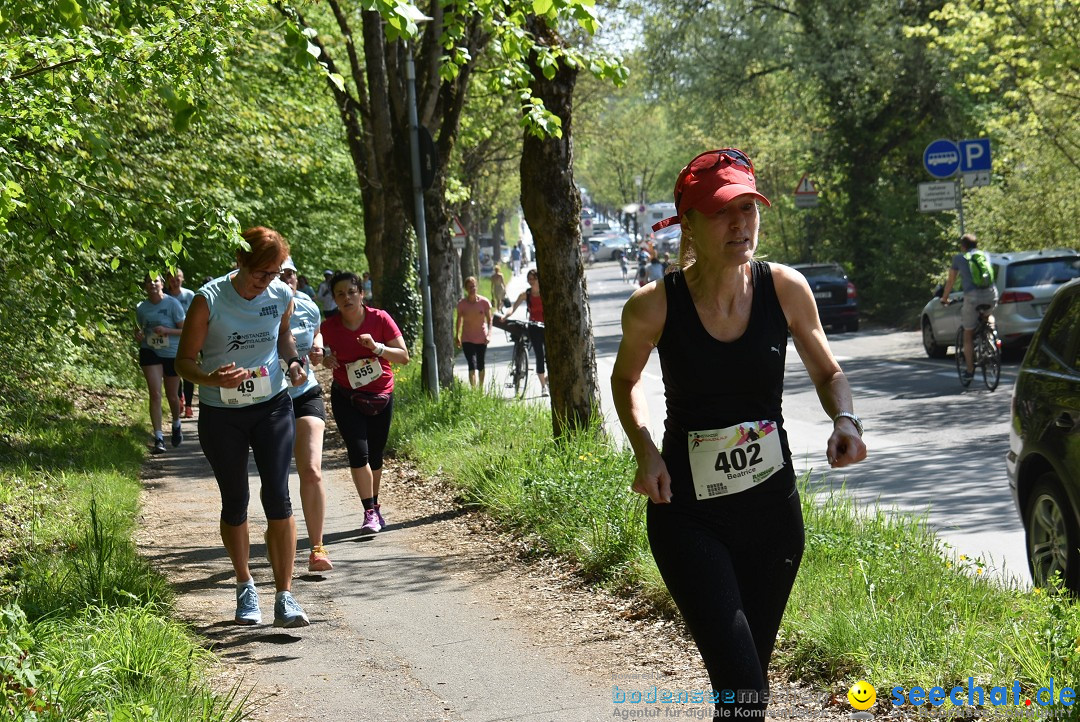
<point>85,631</point>
<point>878,596</point>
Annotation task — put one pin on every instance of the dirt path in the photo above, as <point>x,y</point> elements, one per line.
<point>439,617</point>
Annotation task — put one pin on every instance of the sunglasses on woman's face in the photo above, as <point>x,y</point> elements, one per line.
<point>265,276</point>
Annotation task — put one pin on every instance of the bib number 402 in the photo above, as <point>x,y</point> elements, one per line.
<point>738,458</point>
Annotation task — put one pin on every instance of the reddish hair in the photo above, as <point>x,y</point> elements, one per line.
<point>267,247</point>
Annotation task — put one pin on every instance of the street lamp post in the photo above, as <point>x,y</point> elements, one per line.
<point>430,359</point>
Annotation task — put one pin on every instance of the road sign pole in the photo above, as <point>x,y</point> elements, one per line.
<point>960,204</point>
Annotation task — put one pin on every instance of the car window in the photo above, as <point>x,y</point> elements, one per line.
<point>1060,326</point>
<point>817,271</point>
<point>1041,272</point>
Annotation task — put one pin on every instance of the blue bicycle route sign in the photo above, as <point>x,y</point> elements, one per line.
<point>941,158</point>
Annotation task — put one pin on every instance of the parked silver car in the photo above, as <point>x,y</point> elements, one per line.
<point>1025,281</point>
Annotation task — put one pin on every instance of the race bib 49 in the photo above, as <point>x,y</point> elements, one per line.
<point>255,387</point>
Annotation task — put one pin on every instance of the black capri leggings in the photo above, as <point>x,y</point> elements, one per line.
<point>730,570</point>
<point>536,338</point>
<point>225,436</point>
<point>364,436</point>
<point>474,355</point>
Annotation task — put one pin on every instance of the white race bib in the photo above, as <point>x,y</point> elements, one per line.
<point>254,388</point>
<point>363,371</point>
<point>728,461</point>
<point>157,341</point>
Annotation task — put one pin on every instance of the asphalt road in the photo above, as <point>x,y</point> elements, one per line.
<point>934,447</point>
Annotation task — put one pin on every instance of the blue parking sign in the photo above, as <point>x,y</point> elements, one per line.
<point>942,158</point>
<point>974,155</point>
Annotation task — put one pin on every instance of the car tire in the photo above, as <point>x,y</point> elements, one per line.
<point>1050,533</point>
<point>933,350</point>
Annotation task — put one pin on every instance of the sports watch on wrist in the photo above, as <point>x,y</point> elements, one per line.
<point>854,419</point>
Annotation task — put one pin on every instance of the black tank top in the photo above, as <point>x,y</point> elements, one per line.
<point>710,384</point>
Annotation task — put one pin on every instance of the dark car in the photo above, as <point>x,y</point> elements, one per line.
<point>1044,442</point>
<point>837,301</point>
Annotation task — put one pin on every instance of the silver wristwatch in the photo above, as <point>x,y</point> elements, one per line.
<point>854,419</point>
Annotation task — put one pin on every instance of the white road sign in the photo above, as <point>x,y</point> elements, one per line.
<point>977,178</point>
<point>937,197</point>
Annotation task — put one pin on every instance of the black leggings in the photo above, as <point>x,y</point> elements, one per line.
<point>365,436</point>
<point>474,355</point>
<point>189,391</point>
<point>536,338</point>
<point>268,429</point>
<point>730,573</point>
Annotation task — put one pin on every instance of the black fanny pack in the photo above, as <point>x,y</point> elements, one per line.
<point>366,402</point>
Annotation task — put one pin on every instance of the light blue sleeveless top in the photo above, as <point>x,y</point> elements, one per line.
<point>304,323</point>
<point>243,332</point>
<point>168,313</point>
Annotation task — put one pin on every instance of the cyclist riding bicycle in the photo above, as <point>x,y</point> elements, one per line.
<point>977,283</point>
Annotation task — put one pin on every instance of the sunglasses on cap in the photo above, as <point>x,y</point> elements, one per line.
<point>709,161</point>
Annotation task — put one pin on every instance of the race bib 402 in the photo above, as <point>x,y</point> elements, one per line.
<point>728,461</point>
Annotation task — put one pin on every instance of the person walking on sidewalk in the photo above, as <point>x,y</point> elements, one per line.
<point>473,329</point>
<point>159,321</point>
<point>174,286</point>
<point>724,518</point>
<point>309,411</point>
<point>534,309</point>
<point>240,323</point>
<point>498,288</point>
<point>360,344</point>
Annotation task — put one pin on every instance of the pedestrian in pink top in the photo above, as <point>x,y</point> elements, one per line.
<point>473,329</point>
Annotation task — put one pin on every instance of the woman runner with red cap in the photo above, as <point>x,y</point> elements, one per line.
<point>724,519</point>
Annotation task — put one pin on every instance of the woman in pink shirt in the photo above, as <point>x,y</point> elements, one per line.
<point>473,329</point>
<point>360,343</point>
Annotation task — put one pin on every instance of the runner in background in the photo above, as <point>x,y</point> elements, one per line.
<point>473,329</point>
<point>309,410</point>
<point>175,288</point>
<point>159,321</point>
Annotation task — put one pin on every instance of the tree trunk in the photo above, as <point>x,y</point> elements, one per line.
<point>552,206</point>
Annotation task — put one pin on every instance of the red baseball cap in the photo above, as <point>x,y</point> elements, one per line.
<point>710,181</point>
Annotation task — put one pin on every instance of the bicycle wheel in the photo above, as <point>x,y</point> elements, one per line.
<point>961,364</point>
<point>521,369</point>
<point>991,366</point>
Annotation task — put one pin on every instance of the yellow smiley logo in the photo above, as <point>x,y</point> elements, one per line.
<point>862,695</point>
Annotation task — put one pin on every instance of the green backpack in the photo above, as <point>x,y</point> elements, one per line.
<point>982,273</point>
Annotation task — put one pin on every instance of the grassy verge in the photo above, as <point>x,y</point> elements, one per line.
<point>878,596</point>
<point>84,622</point>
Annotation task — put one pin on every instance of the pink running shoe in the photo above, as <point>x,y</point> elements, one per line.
<point>378,513</point>
<point>371,522</point>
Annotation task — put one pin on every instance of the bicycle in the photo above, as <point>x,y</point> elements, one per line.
<point>517,372</point>
<point>986,347</point>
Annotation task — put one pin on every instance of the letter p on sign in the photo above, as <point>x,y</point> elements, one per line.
<point>974,155</point>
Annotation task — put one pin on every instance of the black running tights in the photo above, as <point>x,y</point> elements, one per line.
<point>730,570</point>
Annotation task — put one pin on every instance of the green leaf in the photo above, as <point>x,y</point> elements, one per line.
<point>337,80</point>
<point>541,7</point>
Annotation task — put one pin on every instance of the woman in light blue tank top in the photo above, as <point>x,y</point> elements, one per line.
<point>240,323</point>
<point>159,319</point>
<point>309,410</point>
